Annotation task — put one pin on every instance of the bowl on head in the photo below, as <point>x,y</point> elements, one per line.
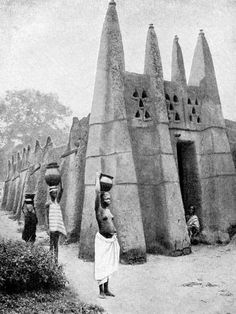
<point>105,182</point>
<point>52,174</point>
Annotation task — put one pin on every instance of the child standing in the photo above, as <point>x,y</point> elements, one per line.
<point>54,220</point>
<point>29,231</point>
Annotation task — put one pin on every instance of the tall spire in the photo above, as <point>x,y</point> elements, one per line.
<point>152,64</point>
<point>110,69</point>
<point>177,65</point>
<point>153,67</point>
<point>202,71</point>
<point>109,145</point>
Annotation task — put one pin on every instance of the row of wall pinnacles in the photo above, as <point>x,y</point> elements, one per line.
<point>26,173</point>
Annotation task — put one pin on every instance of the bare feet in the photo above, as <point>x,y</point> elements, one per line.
<point>109,294</point>
<point>102,295</point>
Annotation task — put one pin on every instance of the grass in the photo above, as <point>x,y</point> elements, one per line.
<point>45,302</point>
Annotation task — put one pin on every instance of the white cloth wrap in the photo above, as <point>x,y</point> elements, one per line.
<point>55,218</point>
<point>193,222</point>
<point>107,253</point>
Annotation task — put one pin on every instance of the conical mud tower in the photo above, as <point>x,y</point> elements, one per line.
<point>217,171</point>
<point>109,149</point>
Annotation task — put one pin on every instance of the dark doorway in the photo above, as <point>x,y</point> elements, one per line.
<point>188,175</point>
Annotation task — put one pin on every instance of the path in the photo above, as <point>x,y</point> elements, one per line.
<point>203,282</point>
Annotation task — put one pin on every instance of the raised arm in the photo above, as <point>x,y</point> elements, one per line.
<point>60,192</point>
<point>97,191</point>
<point>47,215</point>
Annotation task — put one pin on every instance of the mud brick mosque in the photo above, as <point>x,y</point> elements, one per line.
<point>166,144</point>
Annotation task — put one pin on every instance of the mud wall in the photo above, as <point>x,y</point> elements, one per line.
<point>231,134</point>
<point>72,170</point>
<point>6,186</point>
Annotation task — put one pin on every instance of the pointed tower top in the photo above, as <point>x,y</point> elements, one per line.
<point>110,70</point>
<point>201,32</point>
<point>177,64</point>
<point>23,157</point>
<point>19,162</point>
<point>75,120</point>
<point>28,151</point>
<point>49,141</point>
<point>112,2</point>
<point>152,64</point>
<point>37,146</point>
<point>202,72</point>
<point>74,136</point>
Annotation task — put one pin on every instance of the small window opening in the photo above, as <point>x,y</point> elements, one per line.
<point>144,94</point>
<point>198,120</point>
<point>147,115</point>
<point>171,107</point>
<point>167,97</point>
<point>193,111</point>
<point>190,118</point>
<point>196,102</point>
<point>177,118</point>
<point>135,94</point>
<point>175,98</point>
<point>137,114</point>
<point>189,101</point>
<point>141,104</point>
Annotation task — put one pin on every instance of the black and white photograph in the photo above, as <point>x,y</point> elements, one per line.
<point>117,156</point>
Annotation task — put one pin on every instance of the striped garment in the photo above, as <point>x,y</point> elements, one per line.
<point>55,218</point>
<point>193,222</point>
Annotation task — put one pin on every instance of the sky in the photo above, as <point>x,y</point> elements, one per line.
<point>52,45</point>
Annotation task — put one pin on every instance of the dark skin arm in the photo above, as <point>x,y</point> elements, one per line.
<point>47,215</point>
<point>97,191</point>
<point>60,192</point>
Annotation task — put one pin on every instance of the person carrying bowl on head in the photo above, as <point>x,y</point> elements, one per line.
<point>30,224</point>
<point>54,219</point>
<point>107,248</point>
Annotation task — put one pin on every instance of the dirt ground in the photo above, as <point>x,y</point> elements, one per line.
<point>203,282</point>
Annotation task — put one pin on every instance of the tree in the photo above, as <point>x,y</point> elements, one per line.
<point>27,115</point>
